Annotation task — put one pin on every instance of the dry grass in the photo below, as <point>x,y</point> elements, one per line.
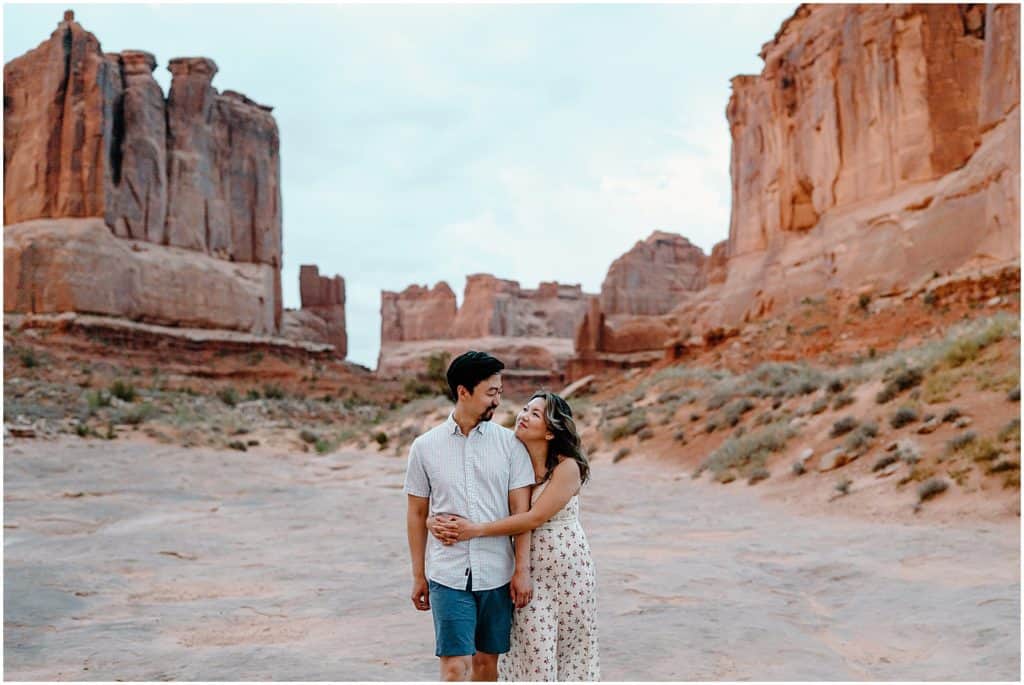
<point>749,451</point>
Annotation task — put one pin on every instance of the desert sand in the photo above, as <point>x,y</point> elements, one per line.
<point>136,561</point>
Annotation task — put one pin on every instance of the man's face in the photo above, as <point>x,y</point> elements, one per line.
<point>485,398</point>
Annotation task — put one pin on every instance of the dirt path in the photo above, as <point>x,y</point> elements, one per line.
<point>131,561</point>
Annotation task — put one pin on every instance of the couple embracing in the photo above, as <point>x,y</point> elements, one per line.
<point>498,553</point>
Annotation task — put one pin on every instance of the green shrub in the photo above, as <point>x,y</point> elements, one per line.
<point>903,416</point>
<point>252,394</point>
<point>1011,431</point>
<point>961,441</point>
<point>757,475</point>
<point>735,411</point>
<point>885,460</point>
<point>307,436</point>
<point>930,488</point>
<point>238,445</point>
<point>635,423</point>
<point>951,414</point>
<point>97,399</point>
<point>749,450</point>
<point>138,415</point>
<point>843,399</point>
<point>861,437</point>
<point>843,426</point>
<point>843,486</point>
<point>645,434</point>
<point>273,391</point>
<point>123,391</point>
<point>228,396</point>
<point>28,358</point>
<point>620,455</point>
<point>381,438</point>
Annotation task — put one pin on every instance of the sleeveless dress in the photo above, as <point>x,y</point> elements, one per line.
<point>554,637</point>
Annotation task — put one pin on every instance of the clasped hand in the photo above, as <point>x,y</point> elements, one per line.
<point>449,528</point>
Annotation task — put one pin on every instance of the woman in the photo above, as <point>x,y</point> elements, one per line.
<point>554,637</point>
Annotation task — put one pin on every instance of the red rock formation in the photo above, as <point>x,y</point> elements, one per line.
<point>417,313</point>
<point>879,145</point>
<point>653,276</point>
<point>531,329</point>
<point>325,297</point>
<point>78,265</point>
<point>90,135</point>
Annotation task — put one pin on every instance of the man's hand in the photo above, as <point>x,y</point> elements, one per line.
<point>420,594</point>
<point>439,527</point>
<point>521,589</point>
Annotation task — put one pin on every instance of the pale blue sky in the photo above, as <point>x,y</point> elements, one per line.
<point>426,142</point>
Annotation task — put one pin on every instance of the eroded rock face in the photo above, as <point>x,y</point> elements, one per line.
<point>79,265</point>
<point>534,328</point>
<point>654,276</point>
<point>879,146</point>
<point>325,298</point>
<point>89,134</point>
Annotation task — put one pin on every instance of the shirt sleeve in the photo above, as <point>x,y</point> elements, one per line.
<point>522,467</point>
<point>416,481</point>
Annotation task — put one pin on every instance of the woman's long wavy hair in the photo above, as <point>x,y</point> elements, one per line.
<point>566,443</point>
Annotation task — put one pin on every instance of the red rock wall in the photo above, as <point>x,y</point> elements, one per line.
<point>533,328</point>
<point>90,135</point>
<point>325,297</point>
<point>654,276</point>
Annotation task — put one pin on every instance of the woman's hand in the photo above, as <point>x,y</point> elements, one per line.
<point>449,529</point>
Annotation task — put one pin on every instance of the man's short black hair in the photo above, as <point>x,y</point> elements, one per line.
<point>469,369</point>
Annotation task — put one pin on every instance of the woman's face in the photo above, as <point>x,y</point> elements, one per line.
<point>530,423</point>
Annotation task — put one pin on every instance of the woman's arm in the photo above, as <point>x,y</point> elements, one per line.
<point>565,482</point>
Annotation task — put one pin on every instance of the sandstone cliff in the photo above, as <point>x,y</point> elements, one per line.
<point>879,146</point>
<point>530,330</point>
<point>90,135</point>
<point>322,315</point>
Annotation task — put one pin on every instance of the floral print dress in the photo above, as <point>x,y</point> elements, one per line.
<point>554,637</point>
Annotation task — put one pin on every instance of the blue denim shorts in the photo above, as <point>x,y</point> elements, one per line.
<point>471,621</point>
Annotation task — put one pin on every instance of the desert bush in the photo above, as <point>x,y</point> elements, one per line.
<point>620,455</point>
<point>885,460</point>
<point>252,394</point>
<point>123,391</point>
<point>381,438</point>
<point>961,441</point>
<point>798,468</point>
<point>735,411</point>
<point>750,450</point>
<point>1014,395</point>
<point>238,445</point>
<point>841,400</point>
<point>713,424</point>
<point>82,430</point>
<point>1011,431</point>
<point>323,446</point>
<point>273,391</point>
<point>843,486</point>
<point>903,416</point>
<point>28,358</point>
<point>835,385</point>
<point>757,475</point>
<point>898,379</point>
<point>1003,465</point>
<point>951,414</point>
<point>982,450</point>
<point>97,399</point>
<point>228,396</point>
<point>634,423</point>
<point>819,405</point>
<point>861,436</point>
<point>938,385</point>
<point>930,488</point>
<point>843,426</point>
<point>137,415</point>
<point>308,436</point>
<point>863,302</point>
<point>645,434</point>
<point>725,477</point>
<point>679,436</point>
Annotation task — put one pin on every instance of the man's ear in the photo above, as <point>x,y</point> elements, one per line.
<point>461,392</point>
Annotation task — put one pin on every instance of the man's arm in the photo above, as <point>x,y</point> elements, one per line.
<point>522,586</point>
<point>416,524</point>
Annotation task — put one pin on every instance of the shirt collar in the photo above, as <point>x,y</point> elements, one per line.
<point>454,429</point>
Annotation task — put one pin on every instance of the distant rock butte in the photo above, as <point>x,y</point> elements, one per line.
<point>880,145</point>
<point>322,316</point>
<point>89,135</point>
<point>530,330</point>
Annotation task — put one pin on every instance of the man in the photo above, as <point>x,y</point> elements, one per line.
<point>476,469</point>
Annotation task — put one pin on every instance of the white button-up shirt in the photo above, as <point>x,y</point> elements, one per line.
<point>470,476</point>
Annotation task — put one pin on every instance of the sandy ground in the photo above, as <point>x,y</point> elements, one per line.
<point>125,560</point>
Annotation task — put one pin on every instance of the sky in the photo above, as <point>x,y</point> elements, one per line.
<point>422,143</point>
